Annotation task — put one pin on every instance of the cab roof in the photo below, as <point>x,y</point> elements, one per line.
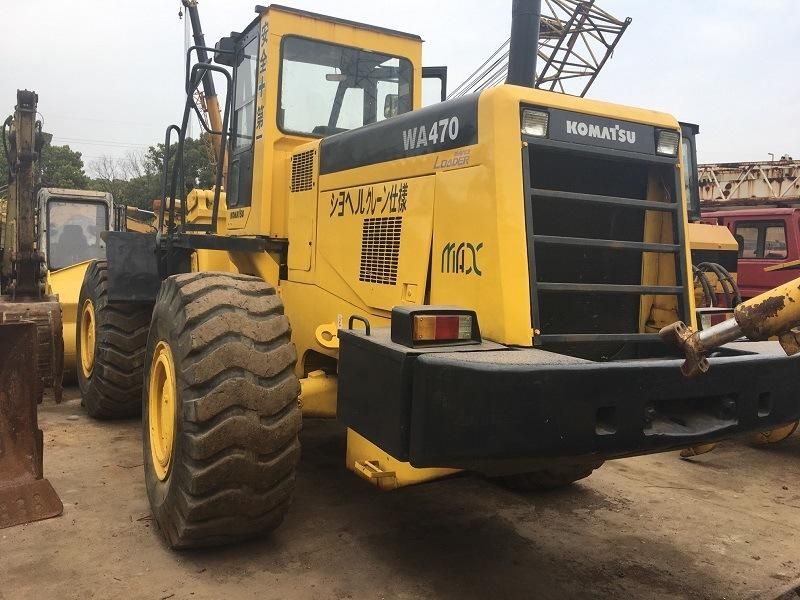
<point>312,15</point>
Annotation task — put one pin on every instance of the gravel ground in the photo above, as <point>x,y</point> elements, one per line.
<point>724,525</point>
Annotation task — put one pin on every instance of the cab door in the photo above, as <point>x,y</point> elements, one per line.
<point>240,166</point>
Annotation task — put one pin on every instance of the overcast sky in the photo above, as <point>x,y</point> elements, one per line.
<point>109,73</point>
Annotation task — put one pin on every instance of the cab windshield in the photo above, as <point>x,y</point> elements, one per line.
<point>73,232</point>
<point>326,88</point>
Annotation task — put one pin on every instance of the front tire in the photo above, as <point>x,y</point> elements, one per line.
<point>110,345</point>
<point>221,417</point>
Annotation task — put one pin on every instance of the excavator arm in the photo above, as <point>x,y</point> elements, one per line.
<point>31,338</point>
<point>22,271</point>
<point>773,313</point>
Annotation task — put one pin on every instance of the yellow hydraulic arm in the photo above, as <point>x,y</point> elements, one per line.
<point>773,313</point>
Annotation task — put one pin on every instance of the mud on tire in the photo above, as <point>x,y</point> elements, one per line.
<point>549,479</point>
<point>235,445</point>
<point>113,389</point>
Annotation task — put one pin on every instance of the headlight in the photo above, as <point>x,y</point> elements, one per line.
<point>667,142</point>
<point>534,122</point>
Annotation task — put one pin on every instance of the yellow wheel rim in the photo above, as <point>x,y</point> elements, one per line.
<point>87,334</point>
<point>161,402</point>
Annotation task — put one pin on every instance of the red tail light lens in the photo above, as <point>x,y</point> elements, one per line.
<point>442,328</point>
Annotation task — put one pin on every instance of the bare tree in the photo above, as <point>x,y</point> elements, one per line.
<point>133,165</point>
<point>109,174</point>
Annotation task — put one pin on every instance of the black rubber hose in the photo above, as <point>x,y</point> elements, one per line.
<point>708,292</point>
<point>737,294</point>
<point>726,278</point>
<point>732,294</point>
<point>726,290</point>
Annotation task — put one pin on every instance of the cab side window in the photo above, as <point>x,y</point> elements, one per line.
<point>747,236</point>
<point>761,239</point>
<point>775,242</point>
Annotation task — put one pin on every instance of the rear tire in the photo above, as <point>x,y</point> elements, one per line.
<point>548,479</point>
<point>225,470</point>
<point>110,367</point>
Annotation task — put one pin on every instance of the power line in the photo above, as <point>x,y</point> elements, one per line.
<point>110,143</point>
<point>94,119</point>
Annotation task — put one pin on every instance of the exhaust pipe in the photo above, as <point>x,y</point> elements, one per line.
<point>525,17</point>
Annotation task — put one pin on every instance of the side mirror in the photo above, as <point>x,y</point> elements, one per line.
<point>227,47</point>
<point>391,105</point>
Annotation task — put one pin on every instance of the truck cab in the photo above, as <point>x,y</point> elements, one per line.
<point>767,237</point>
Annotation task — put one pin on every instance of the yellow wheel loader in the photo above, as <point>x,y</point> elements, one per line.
<point>475,285</point>
<point>70,224</point>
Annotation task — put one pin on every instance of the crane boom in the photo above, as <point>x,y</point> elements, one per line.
<point>210,98</point>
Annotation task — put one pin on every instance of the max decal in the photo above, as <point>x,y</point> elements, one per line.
<point>461,258</point>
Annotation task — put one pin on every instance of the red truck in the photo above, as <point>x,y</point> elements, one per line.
<point>759,202</point>
<point>767,237</point>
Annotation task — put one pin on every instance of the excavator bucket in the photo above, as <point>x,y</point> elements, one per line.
<point>25,496</point>
<point>49,358</point>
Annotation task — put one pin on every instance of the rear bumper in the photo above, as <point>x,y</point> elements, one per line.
<point>482,410</point>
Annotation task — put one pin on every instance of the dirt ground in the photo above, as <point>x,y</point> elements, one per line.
<point>724,525</point>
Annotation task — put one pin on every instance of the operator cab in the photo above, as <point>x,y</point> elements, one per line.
<point>332,75</point>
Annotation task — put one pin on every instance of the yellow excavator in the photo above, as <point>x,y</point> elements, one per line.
<point>31,344</point>
<point>474,285</point>
<point>23,268</point>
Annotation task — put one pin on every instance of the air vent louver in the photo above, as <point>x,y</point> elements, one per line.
<point>380,250</point>
<point>303,171</point>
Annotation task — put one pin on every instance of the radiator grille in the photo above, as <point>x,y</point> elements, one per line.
<point>589,270</point>
<point>303,171</point>
<point>380,250</point>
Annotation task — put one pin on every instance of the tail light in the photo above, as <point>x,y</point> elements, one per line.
<point>442,328</point>
<point>416,326</point>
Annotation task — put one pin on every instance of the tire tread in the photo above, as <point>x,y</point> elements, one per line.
<point>240,415</point>
<point>115,387</point>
